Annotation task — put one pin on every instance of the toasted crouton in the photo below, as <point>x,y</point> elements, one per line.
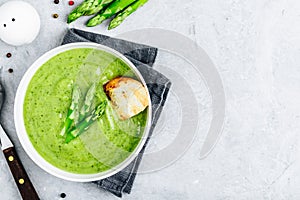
<point>128,96</point>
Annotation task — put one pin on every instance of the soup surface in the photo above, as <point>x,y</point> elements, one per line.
<point>108,142</point>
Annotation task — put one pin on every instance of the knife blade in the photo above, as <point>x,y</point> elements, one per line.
<point>5,142</point>
<point>20,176</point>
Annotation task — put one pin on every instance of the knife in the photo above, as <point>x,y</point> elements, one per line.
<point>21,178</point>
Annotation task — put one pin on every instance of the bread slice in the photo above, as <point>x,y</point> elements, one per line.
<point>128,96</point>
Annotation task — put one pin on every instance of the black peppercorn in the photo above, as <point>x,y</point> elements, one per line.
<point>8,55</point>
<point>63,195</point>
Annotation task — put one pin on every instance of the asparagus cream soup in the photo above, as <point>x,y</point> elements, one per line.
<point>74,82</point>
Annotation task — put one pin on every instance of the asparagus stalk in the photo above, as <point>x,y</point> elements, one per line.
<point>86,123</point>
<point>125,13</point>
<point>71,114</point>
<point>112,9</point>
<point>88,7</point>
<point>86,108</point>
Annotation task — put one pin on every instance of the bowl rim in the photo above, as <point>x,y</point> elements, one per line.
<point>20,125</point>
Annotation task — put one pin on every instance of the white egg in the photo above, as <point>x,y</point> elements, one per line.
<point>19,23</point>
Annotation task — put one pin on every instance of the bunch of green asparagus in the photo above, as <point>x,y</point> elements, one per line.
<point>77,121</point>
<point>105,9</point>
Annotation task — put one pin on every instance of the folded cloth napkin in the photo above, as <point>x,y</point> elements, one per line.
<point>158,85</point>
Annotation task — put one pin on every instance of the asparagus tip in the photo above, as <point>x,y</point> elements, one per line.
<point>89,24</point>
<point>95,21</point>
<point>111,27</point>
<point>69,20</point>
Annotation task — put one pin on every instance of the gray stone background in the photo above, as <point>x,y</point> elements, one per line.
<point>255,45</point>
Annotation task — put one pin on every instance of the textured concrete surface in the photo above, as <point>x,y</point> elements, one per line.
<point>255,45</point>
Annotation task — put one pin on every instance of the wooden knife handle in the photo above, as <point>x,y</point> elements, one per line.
<point>21,178</point>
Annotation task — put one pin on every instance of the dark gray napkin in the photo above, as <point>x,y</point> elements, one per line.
<point>143,57</point>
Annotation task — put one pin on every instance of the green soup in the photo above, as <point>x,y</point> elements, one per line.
<point>48,97</point>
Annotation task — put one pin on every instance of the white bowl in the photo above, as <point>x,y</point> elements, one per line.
<point>20,126</point>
